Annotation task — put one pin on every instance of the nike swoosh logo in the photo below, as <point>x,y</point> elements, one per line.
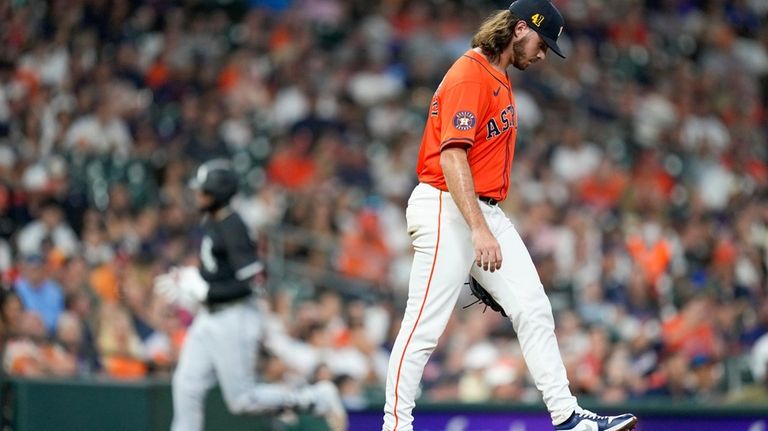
<point>496,91</point>
<point>586,426</point>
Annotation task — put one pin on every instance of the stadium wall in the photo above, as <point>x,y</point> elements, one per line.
<point>93,405</point>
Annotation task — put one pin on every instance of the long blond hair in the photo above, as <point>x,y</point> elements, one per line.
<point>495,33</point>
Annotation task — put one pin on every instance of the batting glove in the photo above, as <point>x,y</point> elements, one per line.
<point>182,286</point>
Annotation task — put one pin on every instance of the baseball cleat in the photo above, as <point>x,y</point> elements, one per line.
<point>327,403</point>
<point>585,420</point>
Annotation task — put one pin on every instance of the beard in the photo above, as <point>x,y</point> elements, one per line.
<point>519,59</point>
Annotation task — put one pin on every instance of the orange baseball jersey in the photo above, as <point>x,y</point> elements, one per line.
<point>472,108</point>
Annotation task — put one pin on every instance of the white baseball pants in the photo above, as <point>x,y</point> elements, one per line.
<point>444,258</point>
<point>223,346</point>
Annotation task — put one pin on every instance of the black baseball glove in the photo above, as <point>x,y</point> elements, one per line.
<point>483,296</point>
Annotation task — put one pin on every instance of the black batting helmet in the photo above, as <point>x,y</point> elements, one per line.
<point>216,178</point>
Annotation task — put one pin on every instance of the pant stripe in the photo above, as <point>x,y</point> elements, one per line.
<point>423,303</point>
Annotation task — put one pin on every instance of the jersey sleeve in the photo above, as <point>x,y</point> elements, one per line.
<point>463,105</point>
<point>241,252</point>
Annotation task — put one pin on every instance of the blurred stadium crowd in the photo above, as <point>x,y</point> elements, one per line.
<point>640,186</point>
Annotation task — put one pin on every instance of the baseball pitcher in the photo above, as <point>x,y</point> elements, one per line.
<point>222,343</point>
<point>458,231</point>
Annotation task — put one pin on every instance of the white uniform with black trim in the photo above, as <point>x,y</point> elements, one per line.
<point>222,343</point>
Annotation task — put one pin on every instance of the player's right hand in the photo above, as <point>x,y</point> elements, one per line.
<point>487,249</point>
<point>183,286</point>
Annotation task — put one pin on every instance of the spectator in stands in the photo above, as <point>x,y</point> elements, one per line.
<point>104,132</point>
<point>351,391</point>
<point>119,346</point>
<point>292,165</point>
<point>163,345</point>
<point>69,336</point>
<point>30,354</point>
<point>364,254</point>
<point>10,313</point>
<point>50,226</point>
<point>23,354</point>
<point>673,378</point>
<point>39,293</point>
<point>692,331</point>
<point>575,159</point>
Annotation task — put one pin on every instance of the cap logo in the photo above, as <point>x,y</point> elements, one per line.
<point>537,19</point>
<point>560,32</point>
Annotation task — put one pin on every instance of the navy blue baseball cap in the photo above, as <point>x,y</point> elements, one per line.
<point>543,17</point>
